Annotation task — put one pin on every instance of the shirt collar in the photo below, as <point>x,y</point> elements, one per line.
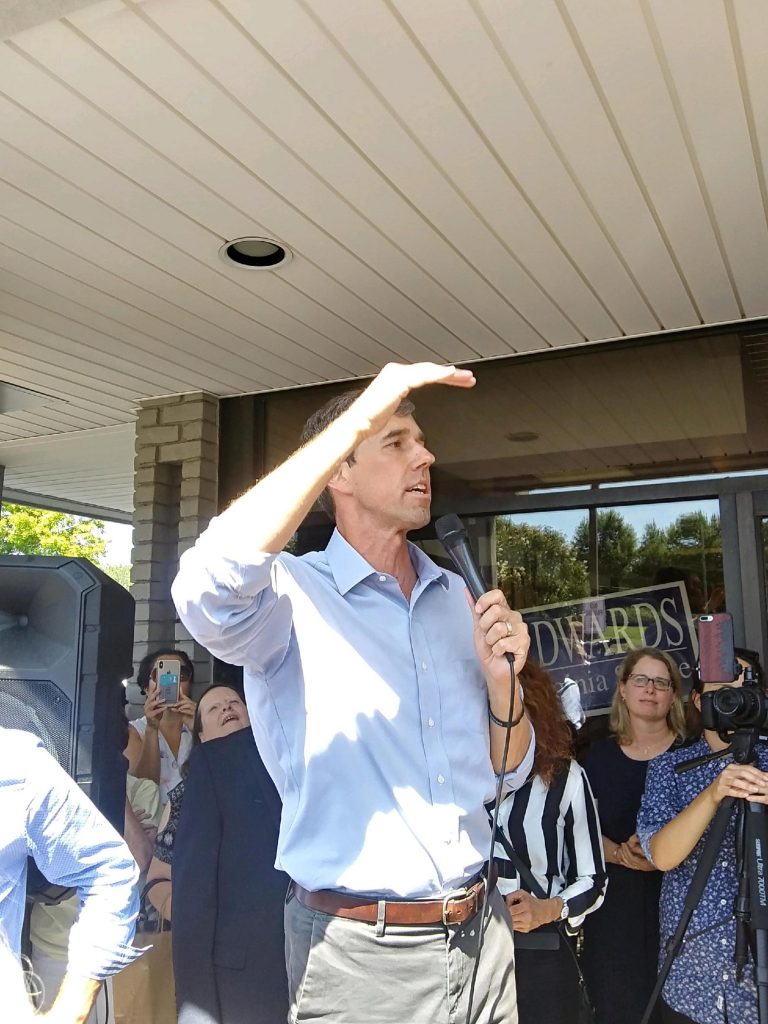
<point>350,568</point>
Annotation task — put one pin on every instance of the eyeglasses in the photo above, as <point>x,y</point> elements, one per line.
<point>641,681</point>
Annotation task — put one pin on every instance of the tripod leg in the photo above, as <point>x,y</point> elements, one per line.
<point>698,884</point>
<point>756,850</point>
<point>741,910</point>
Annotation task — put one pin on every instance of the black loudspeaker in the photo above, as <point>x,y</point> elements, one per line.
<point>66,644</point>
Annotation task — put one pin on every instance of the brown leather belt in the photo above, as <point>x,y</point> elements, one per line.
<point>455,908</point>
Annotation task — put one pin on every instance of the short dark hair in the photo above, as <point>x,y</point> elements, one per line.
<point>146,663</point>
<point>325,415</point>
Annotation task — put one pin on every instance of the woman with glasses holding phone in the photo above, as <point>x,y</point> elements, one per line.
<point>161,740</point>
<point>621,941</point>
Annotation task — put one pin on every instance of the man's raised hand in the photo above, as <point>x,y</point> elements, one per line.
<point>392,384</point>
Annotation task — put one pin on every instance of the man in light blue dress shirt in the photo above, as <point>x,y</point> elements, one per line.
<point>372,682</point>
<point>46,816</point>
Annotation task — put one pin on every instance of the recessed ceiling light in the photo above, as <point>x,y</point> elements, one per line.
<point>255,253</point>
<point>522,436</point>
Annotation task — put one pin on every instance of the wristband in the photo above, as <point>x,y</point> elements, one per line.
<point>502,723</point>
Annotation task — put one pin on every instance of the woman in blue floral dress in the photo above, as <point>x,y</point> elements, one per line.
<point>673,825</point>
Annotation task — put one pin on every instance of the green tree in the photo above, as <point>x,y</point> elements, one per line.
<point>37,531</point>
<point>696,543</point>
<point>652,553</point>
<point>535,565</point>
<point>616,547</point>
<point>693,535</point>
<point>121,573</point>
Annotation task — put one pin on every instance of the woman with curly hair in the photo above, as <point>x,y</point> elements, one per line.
<point>549,834</point>
<point>621,943</point>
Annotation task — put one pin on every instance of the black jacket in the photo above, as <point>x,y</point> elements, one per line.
<point>228,943</point>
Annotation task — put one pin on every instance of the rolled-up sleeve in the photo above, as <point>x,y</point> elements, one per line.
<point>75,846</point>
<point>586,875</point>
<point>227,596</point>
<point>658,806</point>
<point>516,778</point>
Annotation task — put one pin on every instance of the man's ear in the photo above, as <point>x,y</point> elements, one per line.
<point>696,700</point>
<point>340,481</point>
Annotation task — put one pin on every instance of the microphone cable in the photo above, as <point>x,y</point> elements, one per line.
<point>454,538</point>
<point>494,826</point>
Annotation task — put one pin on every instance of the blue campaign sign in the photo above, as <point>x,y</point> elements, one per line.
<point>586,640</point>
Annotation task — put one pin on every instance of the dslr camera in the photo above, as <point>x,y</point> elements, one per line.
<point>731,707</point>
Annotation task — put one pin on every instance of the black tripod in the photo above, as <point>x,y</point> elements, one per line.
<point>751,908</point>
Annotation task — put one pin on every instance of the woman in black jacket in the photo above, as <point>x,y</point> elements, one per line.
<point>228,941</point>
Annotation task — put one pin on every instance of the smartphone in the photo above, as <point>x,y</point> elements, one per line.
<point>717,661</point>
<point>168,675</point>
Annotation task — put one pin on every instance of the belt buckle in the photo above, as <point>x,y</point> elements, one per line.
<point>455,894</point>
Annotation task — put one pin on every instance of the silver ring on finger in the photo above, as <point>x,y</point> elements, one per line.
<point>510,627</point>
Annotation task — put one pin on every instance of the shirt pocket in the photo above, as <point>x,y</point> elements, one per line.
<point>464,704</point>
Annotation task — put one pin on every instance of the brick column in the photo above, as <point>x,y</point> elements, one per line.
<point>175,496</point>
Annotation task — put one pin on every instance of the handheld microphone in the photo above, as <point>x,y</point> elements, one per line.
<point>453,536</point>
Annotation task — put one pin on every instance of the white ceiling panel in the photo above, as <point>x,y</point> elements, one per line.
<point>622,47</point>
<point>457,180</point>
<point>706,66</point>
<point>82,467</point>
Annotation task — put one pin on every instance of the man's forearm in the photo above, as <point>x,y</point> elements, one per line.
<point>519,742</point>
<point>275,507</point>
<point>519,735</point>
<point>74,1001</point>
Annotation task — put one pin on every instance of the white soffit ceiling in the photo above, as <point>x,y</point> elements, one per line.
<point>84,471</point>
<point>458,180</point>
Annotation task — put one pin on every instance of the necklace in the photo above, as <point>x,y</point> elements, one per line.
<point>656,748</point>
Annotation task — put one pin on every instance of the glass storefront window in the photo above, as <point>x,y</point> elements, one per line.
<point>544,557</point>
<point>536,561</point>
<point>664,542</point>
<point>596,584</point>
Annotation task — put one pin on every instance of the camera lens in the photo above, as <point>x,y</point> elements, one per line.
<point>729,701</point>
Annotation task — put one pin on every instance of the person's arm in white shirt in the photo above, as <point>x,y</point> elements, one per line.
<point>74,845</point>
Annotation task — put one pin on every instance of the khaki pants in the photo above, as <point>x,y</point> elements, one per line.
<point>341,972</point>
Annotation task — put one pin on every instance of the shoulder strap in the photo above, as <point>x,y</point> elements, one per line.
<point>520,866</point>
<point>528,877</point>
<point>144,914</point>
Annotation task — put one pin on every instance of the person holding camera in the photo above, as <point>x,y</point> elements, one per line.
<point>161,740</point>
<point>673,824</point>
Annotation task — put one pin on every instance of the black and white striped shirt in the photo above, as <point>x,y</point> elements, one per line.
<point>555,831</point>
